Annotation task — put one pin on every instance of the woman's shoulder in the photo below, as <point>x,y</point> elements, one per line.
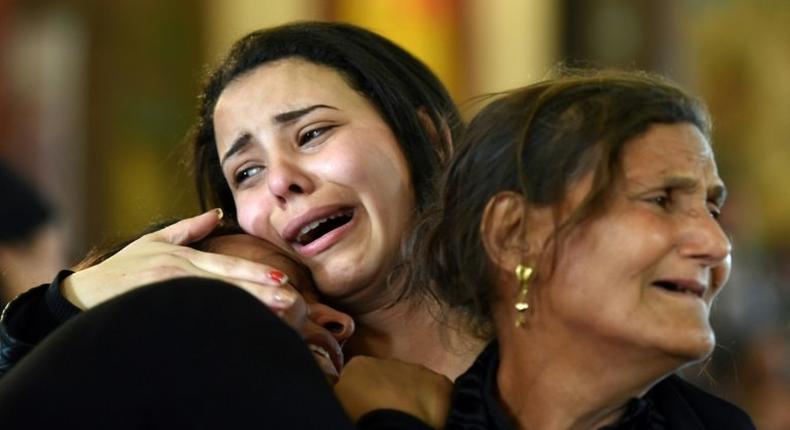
<point>682,402</point>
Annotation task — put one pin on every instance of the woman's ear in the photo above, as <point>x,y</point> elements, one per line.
<point>512,231</point>
<point>503,229</point>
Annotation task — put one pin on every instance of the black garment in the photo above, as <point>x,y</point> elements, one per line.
<point>30,318</point>
<point>670,404</point>
<point>185,353</point>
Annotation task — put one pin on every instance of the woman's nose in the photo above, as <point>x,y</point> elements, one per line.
<point>286,179</point>
<point>340,324</point>
<point>705,239</point>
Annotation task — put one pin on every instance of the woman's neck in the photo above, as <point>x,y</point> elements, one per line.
<point>414,334</point>
<point>555,378</point>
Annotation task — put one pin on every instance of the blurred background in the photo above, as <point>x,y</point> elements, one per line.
<point>96,98</point>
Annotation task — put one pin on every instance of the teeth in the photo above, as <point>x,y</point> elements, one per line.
<point>306,229</point>
<point>309,227</point>
<point>320,351</point>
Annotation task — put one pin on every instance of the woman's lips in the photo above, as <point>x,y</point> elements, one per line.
<point>325,364</point>
<point>324,345</point>
<point>319,227</point>
<point>299,231</point>
<point>292,229</point>
<point>684,286</point>
<point>326,241</point>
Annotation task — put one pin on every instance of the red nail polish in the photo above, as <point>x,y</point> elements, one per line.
<point>277,276</point>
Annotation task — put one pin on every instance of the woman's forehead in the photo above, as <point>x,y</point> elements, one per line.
<point>670,150</point>
<point>290,80</point>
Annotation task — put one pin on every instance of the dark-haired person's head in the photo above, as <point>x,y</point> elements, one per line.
<point>325,139</point>
<point>409,97</point>
<point>31,248</point>
<point>604,186</point>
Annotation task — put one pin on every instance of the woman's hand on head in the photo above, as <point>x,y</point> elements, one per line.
<point>369,383</point>
<point>163,255</point>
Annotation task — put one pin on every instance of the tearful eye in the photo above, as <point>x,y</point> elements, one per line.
<point>661,201</point>
<point>247,173</point>
<point>310,135</point>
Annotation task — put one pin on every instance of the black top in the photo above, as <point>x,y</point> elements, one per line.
<point>671,404</point>
<point>29,318</point>
<point>205,362</point>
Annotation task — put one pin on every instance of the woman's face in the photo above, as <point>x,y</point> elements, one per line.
<point>646,271</point>
<point>325,329</point>
<point>315,170</point>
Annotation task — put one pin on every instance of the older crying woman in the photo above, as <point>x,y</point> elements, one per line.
<point>579,226</point>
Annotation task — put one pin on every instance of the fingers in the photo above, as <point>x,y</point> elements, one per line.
<point>188,230</point>
<point>196,228</point>
<point>277,298</point>
<point>283,300</point>
<point>297,313</point>
<point>235,267</point>
<point>163,255</point>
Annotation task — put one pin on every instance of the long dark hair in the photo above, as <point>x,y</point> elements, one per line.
<point>537,141</point>
<point>409,97</point>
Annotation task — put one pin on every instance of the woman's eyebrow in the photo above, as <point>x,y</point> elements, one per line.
<point>716,192</point>
<point>238,144</point>
<point>290,116</point>
<point>280,119</point>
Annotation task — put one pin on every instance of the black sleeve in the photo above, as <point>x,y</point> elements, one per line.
<point>390,419</point>
<point>30,318</point>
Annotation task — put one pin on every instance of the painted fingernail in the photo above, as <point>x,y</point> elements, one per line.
<point>284,297</point>
<point>219,212</point>
<point>279,277</point>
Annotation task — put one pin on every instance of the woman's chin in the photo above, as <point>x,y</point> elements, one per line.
<point>693,347</point>
<point>705,346</point>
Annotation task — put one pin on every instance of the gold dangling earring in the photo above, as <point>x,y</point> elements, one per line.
<point>523,273</point>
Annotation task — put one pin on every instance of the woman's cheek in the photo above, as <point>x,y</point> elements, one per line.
<point>246,215</point>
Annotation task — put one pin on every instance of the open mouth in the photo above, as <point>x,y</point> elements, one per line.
<point>334,361</point>
<point>324,362</point>
<point>314,230</point>
<point>320,351</point>
<point>682,288</point>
